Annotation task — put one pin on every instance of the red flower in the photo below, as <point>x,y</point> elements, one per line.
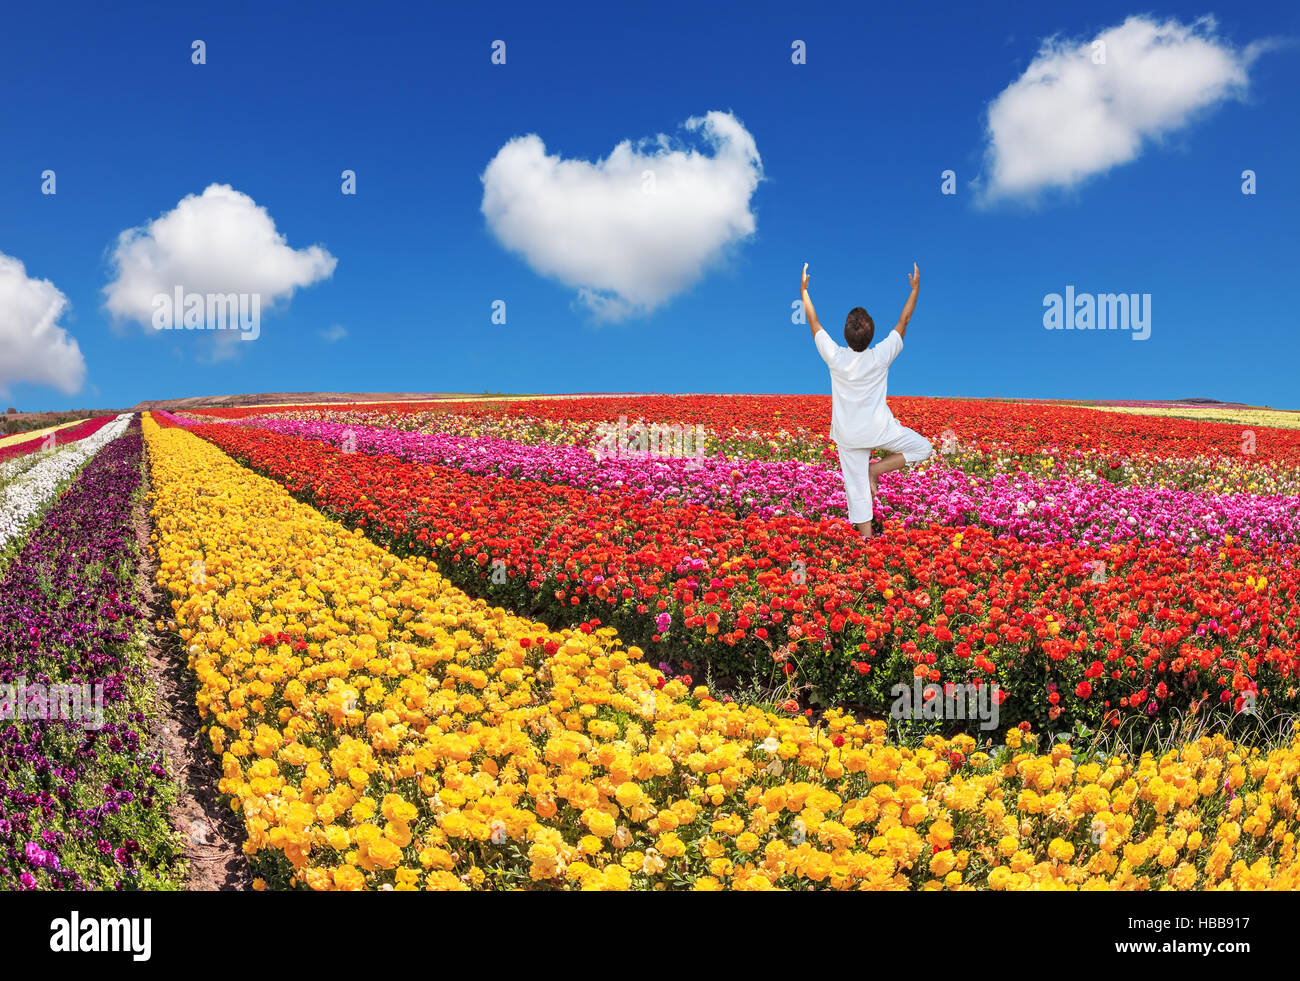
<point>991,599</point>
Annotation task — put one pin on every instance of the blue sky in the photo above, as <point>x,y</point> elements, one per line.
<point>852,144</point>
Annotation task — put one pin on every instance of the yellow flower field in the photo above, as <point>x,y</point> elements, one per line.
<point>379,729</point>
<point>1269,418</point>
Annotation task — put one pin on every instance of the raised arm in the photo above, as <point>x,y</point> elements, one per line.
<point>809,314</point>
<point>914,277</point>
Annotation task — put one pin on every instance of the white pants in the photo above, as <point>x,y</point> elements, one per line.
<point>857,479</point>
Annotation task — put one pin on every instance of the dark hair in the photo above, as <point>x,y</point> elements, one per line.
<point>859,329</point>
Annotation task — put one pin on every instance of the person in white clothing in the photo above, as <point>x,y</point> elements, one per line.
<point>860,420</point>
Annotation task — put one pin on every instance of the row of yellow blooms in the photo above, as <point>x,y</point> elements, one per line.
<point>379,729</point>
<point>1276,418</point>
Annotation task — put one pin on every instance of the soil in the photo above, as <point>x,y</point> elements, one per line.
<point>212,832</point>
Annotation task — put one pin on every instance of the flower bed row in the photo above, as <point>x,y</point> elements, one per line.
<point>83,799</point>
<point>983,425</point>
<point>61,437</point>
<point>1063,509</point>
<point>1234,414</point>
<point>1041,509</point>
<point>11,470</point>
<point>1210,470</point>
<point>1068,632</point>
<point>764,487</point>
<point>23,498</point>
<point>732,441</point>
<point>379,729</point>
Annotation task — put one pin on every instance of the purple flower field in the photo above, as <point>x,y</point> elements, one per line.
<point>83,799</point>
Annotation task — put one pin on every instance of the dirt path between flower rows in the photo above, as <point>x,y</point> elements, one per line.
<point>211,831</point>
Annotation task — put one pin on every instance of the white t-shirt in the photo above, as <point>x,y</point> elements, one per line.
<point>859,416</point>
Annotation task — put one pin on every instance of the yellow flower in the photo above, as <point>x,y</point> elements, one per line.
<point>941,863</point>
<point>1060,850</point>
<point>671,846</point>
<point>337,838</point>
<point>599,823</point>
<point>383,853</point>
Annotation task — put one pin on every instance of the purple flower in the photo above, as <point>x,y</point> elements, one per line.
<point>69,613</point>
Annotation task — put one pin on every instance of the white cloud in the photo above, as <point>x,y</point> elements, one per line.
<point>627,242</point>
<point>220,241</point>
<point>1068,118</point>
<point>33,347</point>
<point>333,333</point>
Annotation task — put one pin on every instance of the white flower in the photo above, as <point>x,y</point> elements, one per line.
<point>770,745</point>
<point>27,494</point>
